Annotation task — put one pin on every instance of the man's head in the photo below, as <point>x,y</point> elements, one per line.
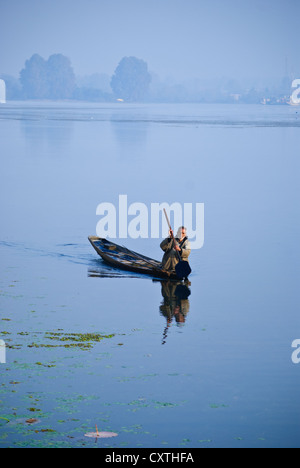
<point>181,233</point>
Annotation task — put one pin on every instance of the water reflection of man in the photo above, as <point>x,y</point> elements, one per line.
<point>176,304</point>
<point>181,247</point>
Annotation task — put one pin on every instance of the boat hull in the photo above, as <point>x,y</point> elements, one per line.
<point>125,259</point>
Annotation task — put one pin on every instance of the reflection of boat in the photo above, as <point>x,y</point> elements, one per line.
<point>126,259</point>
<point>175,305</point>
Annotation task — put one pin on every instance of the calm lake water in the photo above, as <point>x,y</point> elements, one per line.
<point>88,345</point>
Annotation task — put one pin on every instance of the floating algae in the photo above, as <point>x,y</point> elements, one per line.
<point>71,340</point>
<point>82,341</point>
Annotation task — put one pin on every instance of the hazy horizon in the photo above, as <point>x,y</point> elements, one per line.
<point>180,40</point>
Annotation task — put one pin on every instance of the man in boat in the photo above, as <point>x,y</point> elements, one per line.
<point>182,247</point>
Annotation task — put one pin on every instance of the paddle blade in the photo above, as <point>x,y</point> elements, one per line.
<point>183,269</point>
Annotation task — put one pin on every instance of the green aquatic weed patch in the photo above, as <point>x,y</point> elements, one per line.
<point>71,340</point>
<point>78,337</point>
<point>55,339</point>
<point>4,419</point>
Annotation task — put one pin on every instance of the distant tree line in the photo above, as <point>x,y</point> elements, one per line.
<point>131,79</point>
<point>48,79</point>
<point>54,79</point>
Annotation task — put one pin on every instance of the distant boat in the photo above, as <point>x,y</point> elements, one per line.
<point>2,92</point>
<point>126,259</point>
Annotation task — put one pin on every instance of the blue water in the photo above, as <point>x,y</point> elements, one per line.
<point>221,375</point>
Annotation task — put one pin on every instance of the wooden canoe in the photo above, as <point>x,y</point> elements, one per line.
<point>126,259</point>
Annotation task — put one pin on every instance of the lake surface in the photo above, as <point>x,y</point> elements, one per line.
<point>88,345</point>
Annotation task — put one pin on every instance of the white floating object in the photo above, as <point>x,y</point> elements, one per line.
<point>100,435</point>
<point>2,352</point>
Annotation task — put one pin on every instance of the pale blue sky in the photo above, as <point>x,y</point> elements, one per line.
<point>183,39</point>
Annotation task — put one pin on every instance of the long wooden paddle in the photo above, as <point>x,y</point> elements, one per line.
<point>183,269</point>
